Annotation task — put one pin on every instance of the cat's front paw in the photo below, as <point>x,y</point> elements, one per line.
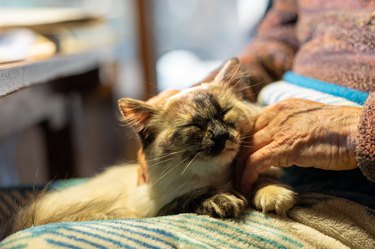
<point>228,204</point>
<point>274,197</point>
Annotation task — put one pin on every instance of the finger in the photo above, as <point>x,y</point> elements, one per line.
<point>249,177</point>
<point>239,167</point>
<point>262,138</point>
<point>267,114</point>
<point>257,163</point>
<point>262,160</point>
<point>270,155</point>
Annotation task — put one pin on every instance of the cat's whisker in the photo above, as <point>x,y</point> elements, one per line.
<point>165,156</point>
<point>247,146</point>
<point>167,167</point>
<point>238,81</point>
<point>246,143</point>
<point>163,176</point>
<point>172,153</point>
<point>245,139</point>
<point>234,73</point>
<point>187,166</point>
<point>159,163</point>
<point>258,83</point>
<point>169,171</point>
<point>244,88</point>
<point>248,134</point>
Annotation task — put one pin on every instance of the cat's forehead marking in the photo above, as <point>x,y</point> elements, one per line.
<point>203,86</point>
<point>206,100</point>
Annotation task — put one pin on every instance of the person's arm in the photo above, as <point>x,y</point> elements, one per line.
<point>271,52</point>
<point>365,149</point>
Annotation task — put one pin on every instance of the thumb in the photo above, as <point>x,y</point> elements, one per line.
<point>259,162</point>
<point>249,177</point>
<point>262,159</point>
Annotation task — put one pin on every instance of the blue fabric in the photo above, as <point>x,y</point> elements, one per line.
<point>281,90</point>
<point>325,87</point>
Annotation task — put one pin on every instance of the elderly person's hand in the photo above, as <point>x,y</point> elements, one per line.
<point>303,133</point>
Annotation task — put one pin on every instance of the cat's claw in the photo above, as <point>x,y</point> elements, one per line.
<point>275,197</point>
<point>223,205</point>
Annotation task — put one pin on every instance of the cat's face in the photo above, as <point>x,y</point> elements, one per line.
<point>197,131</point>
<point>202,121</point>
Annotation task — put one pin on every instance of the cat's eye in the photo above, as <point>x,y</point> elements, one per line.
<point>194,125</point>
<point>231,124</point>
<point>225,111</point>
<point>226,119</point>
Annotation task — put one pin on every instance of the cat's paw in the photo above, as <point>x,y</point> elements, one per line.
<point>228,204</point>
<point>274,197</point>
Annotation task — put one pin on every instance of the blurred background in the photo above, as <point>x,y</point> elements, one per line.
<point>63,65</point>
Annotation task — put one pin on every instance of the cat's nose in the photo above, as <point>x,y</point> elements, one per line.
<point>219,141</point>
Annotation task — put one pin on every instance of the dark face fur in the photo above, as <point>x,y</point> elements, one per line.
<point>201,125</point>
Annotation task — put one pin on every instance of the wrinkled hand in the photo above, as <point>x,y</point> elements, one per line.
<point>303,133</point>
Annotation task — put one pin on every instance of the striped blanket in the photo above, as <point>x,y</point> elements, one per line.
<point>335,210</point>
<point>319,221</point>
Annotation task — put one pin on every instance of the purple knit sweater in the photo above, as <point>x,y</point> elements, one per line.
<point>333,41</point>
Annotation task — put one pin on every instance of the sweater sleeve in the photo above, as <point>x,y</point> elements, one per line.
<point>365,150</point>
<point>272,51</point>
<point>270,54</point>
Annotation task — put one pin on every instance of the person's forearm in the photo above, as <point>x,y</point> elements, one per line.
<point>270,54</point>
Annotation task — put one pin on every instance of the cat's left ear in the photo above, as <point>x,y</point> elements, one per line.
<point>233,74</point>
<point>138,114</point>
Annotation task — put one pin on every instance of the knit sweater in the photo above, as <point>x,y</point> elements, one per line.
<point>333,41</point>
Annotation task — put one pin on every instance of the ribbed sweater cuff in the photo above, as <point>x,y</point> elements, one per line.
<point>365,150</point>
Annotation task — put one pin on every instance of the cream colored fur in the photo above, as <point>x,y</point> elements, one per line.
<point>103,197</point>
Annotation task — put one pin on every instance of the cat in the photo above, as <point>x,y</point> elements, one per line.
<point>190,142</point>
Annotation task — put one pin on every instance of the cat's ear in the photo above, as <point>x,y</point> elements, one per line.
<point>138,114</point>
<point>233,74</point>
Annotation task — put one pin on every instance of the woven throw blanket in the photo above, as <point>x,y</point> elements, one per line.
<point>319,221</point>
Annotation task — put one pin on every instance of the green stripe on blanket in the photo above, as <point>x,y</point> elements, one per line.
<point>326,222</point>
